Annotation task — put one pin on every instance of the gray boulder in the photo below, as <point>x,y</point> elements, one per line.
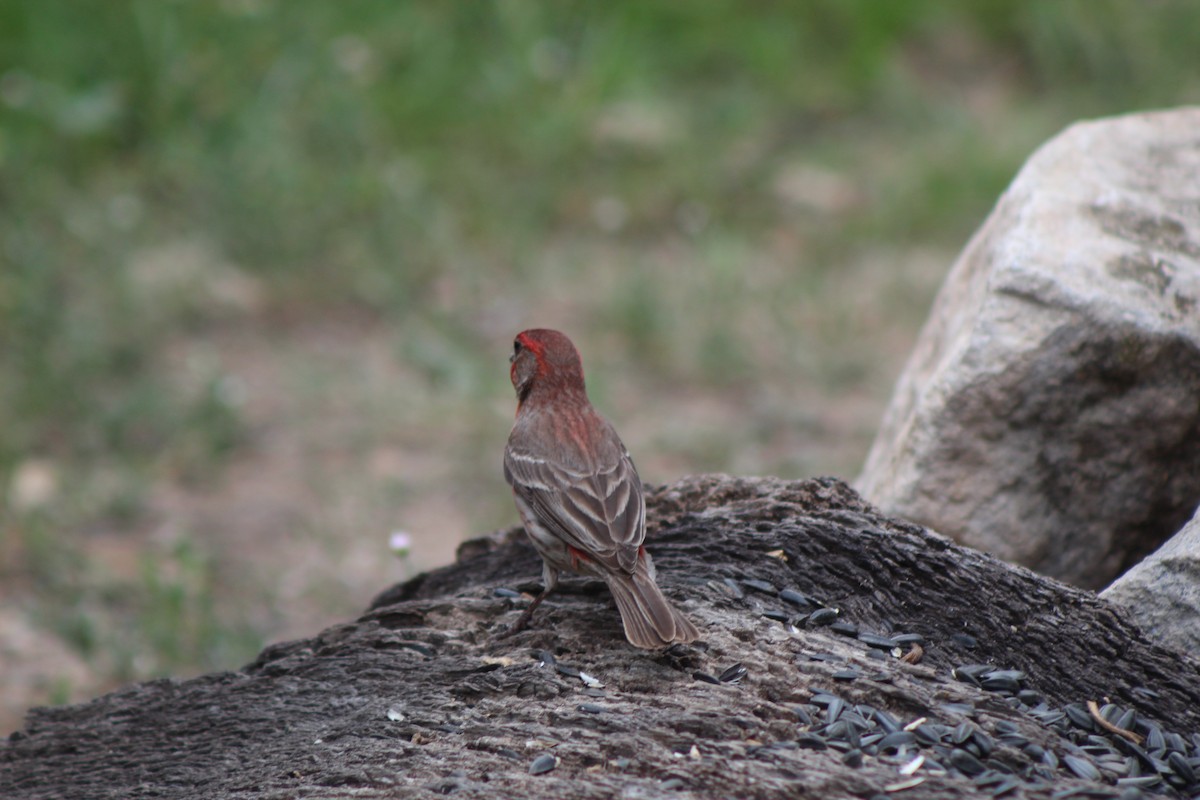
<point>1050,412</point>
<point>1162,593</point>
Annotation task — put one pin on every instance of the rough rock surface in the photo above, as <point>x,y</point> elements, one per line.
<point>1162,593</point>
<point>418,697</point>
<point>1050,411</point>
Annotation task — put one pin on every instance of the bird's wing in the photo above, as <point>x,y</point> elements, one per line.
<point>601,513</point>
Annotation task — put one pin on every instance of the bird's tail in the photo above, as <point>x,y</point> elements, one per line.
<point>650,619</point>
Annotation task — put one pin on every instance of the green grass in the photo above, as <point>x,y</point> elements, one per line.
<point>442,169</point>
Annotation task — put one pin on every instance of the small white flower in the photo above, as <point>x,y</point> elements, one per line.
<point>400,543</point>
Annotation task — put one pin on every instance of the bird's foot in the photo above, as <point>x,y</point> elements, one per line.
<point>523,621</point>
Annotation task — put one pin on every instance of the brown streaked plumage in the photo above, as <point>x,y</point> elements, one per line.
<point>577,491</point>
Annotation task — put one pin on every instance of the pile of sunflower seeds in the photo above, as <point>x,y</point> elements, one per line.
<point>1114,745</point>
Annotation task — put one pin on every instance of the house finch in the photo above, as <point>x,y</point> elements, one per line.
<point>577,491</point>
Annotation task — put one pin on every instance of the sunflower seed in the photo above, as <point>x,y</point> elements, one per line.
<point>591,708</point>
<point>1014,740</point>
<point>903,639</point>
<point>973,670</point>
<point>842,731</point>
<point>758,586</point>
<point>810,741</point>
<point>854,717</point>
<point>896,740</point>
<point>1082,768</point>
<point>1176,742</point>
<point>776,614</point>
<point>822,616</point>
<point>844,628</point>
<point>797,599</point>
<point>846,675</point>
<point>1001,685</point>
<point>853,758</point>
<point>1177,762</point>
<point>543,763</point>
<point>902,785</point>
<point>966,677</point>
<point>1155,741</point>
<point>928,733</point>
<point>886,721</point>
<point>589,681</point>
<point>734,673</point>
<point>705,677</point>
<point>1114,763</point>
<point>1048,717</point>
<point>869,743</point>
<point>966,763</point>
<point>504,591</point>
<point>1079,717</point>
<point>876,641</point>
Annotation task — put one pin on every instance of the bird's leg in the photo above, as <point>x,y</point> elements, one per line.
<point>523,621</point>
<point>549,581</point>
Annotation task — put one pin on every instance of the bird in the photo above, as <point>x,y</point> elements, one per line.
<point>578,493</point>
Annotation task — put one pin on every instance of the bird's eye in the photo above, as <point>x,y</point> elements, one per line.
<point>516,351</point>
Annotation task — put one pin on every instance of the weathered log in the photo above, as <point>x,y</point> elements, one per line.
<point>420,695</point>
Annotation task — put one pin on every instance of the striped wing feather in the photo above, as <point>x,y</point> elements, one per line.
<point>599,513</point>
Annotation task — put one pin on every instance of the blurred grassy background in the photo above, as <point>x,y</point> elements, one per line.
<point>261,263</point>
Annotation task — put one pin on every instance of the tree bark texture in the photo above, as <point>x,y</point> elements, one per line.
<point>419,696</point>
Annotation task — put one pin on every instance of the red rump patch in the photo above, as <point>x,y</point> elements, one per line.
<point>576,557</point>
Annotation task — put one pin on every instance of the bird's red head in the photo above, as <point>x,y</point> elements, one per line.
<point>545,359</point>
